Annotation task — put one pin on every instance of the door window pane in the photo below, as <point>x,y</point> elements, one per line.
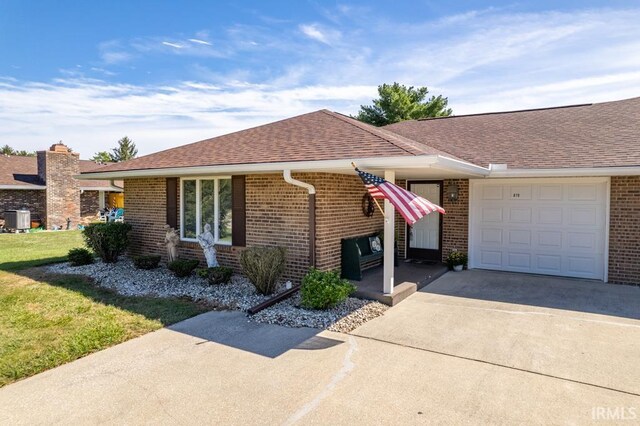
<point>189,208</point>
<point>225,210</point>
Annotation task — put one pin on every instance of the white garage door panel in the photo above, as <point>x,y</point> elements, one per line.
<point>544,226</point>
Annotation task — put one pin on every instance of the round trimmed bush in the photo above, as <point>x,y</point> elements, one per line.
<point>323,290</point>
<point>108,240</point>
<point>183,267</point>
<point>80,256</point>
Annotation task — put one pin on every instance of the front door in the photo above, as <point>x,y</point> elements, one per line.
<point>425,236</point>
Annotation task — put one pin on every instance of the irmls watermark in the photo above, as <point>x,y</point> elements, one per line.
<point>614,413</point>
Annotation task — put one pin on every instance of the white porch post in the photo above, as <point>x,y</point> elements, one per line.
<point>101,200</point>
<point>389,236</point>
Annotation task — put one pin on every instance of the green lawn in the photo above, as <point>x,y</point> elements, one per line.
<point>19,251</point>
<point>47,320</point>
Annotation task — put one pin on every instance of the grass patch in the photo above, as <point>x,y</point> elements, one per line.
<point>19,251</point>
<point>48,320</point>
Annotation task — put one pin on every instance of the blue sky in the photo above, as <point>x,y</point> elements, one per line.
<point>170,73</point>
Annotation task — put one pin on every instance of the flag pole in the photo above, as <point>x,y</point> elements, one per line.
<point>374,200</point>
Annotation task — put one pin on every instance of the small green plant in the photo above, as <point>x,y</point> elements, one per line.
<point>108,240</point>
<point>218,275</point>
<point>183,267</point>
<point>263,266</point>
<point>146,262</point>
<point>323,290</point>
<point>457,258</point>
<point>80,256</point>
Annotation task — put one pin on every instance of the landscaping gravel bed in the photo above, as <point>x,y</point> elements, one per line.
<point>124,278</point>
<point>342,318</point>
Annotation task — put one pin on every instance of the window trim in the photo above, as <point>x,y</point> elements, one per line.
<point>216,208</point>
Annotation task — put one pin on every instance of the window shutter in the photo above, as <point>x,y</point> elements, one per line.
<point>238,208</point>
<point>172,202</point>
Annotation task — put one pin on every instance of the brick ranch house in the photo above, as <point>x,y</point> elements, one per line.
<point>548,191</point>
<point>46,186</point>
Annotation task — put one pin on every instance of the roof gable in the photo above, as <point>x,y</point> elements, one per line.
<point>320,135</point>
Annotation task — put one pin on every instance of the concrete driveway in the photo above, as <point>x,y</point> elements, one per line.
<point>437,357</point>
<point>575,330</point>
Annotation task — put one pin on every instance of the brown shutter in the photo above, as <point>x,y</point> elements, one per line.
<point>172,202</point>
<point>238,208</point>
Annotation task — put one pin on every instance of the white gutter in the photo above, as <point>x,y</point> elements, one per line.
<point>287,178</point>
<point>568,172</point>
<point>24,187</point>
<point>369,163</point>
<point>101,188</point>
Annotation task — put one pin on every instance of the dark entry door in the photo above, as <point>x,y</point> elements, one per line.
<point>425,236</point>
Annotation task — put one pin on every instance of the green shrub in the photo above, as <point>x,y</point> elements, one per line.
<point>146,262</point>
<point>183,267</point>
<point>108,240</point>
<point>323,290</point>
<point>263,266</point>
<point>80,256</point>
<point>219,275</point>
<point>457,258</point>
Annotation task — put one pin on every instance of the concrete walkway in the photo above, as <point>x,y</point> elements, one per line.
<point>218,368</point>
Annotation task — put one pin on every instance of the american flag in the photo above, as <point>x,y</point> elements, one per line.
<point>411,206</point>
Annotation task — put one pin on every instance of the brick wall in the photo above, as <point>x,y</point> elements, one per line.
<point>624,230</point>
<point>89,205</point>
<point>455,225</point>
<point>63,192</point>
<point>145,209</point>
<point>339,215</point>
<point>276,214</point>
<point>14,199</point>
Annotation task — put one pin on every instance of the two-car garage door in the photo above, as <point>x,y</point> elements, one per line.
<point>542,226</point>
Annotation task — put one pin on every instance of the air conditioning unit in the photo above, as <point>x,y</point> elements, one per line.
<point>18,220</point>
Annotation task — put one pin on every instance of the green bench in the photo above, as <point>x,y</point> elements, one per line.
<point>356,252</point>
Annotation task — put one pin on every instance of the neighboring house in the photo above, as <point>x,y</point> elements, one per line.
<point>550,191</point>
<point>46,185</point>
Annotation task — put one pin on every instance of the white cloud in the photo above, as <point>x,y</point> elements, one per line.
<point>90,115</point>
<point>197,41</point>
<point>175,45</point>
<point>318,33</point>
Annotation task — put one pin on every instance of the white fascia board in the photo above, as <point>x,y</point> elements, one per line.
<point>24,187</point>
<point>568,172</point>
<point>374,163</point>
<point>101,188</point>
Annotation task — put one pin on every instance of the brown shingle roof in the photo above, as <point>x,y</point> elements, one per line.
<point>23,171</point>
<point>594,135</point>
<point>320,135</point>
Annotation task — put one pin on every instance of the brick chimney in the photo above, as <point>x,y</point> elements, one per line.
<point>56,168</point>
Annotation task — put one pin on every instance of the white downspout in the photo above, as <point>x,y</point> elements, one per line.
<point>287,178</point>
<point>112,182</point>
<point>312,213</point>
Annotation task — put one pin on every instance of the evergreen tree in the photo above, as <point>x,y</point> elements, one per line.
<point>126,150</point>
<point>398,103</point>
